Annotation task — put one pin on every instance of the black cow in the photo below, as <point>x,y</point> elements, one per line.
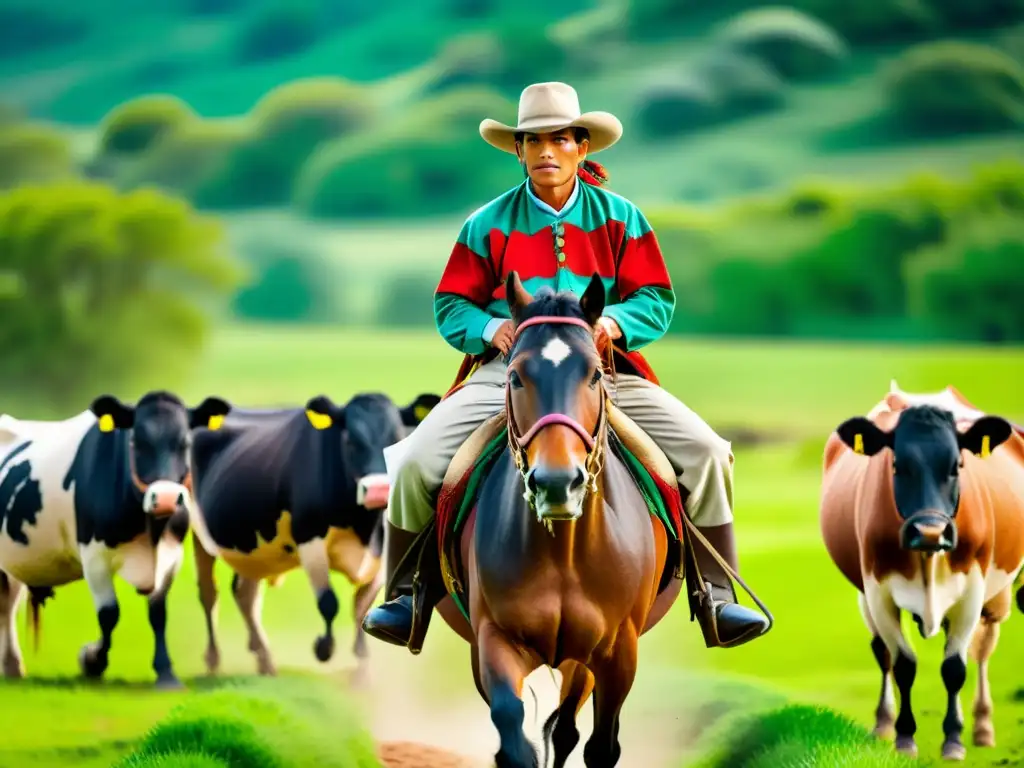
<point>102,493</point>
<point>306,487</point>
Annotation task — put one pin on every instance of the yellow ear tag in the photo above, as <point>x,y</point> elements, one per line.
<point>106,423</point>
<point>420,411</point>
<point>858,444</point>
<point>215,422</point>
<point>319,420</point>
<point>986,446</point>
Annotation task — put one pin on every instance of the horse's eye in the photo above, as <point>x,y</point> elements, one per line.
<point>514,380</point>
<point>598,373</point>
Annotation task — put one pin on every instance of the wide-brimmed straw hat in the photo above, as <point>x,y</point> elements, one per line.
<point>547,107</point>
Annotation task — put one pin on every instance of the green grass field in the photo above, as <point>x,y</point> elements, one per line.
<point>818,652</point>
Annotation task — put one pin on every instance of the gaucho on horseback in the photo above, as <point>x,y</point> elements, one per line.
<point>557,229</point>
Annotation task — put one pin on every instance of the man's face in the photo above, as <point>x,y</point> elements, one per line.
<point>551,159</point>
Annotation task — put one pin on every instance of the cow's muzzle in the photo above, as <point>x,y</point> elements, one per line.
<point>372,491</point>
<point>929,532</point>
<point>163,498</point>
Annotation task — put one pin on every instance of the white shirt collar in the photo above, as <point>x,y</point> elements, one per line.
<point>547,208</point>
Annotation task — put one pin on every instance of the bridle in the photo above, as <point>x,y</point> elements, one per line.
<point>518,443</point>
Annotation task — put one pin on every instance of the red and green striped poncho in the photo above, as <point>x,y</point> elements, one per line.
<point>598,231</point>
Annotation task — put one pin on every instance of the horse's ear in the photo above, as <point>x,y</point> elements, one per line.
<point>593,299</point>
<point>516,295</point>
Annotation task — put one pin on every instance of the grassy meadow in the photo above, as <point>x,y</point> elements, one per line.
<point>823,169</point>
<point>817,654</point>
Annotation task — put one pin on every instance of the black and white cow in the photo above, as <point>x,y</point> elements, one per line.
<point>100,494</point>
<point>276,490</point>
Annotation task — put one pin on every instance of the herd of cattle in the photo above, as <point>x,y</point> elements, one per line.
<point>114,491</point>
<point>933,526</point>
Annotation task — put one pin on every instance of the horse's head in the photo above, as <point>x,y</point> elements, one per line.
<point>554,396</point>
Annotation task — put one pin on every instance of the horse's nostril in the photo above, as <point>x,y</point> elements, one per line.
<point>181,500</point>
<point>531,480</point>
<point>579,479</point>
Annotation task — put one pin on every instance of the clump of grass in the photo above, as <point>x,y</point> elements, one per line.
<point>176,760</point>
<point>259,724</point>
<point>800,736</point>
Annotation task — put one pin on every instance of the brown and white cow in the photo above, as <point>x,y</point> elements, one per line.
<point>922,510</point>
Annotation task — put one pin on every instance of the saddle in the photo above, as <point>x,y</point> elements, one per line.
<point>435,555</point>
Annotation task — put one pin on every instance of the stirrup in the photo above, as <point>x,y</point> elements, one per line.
<point>701,597</point>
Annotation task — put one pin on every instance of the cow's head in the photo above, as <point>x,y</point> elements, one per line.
<point>926,448</point>
<point>368,424</point>
<point>159,430</point>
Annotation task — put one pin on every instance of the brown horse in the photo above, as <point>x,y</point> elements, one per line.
<point>563,565</point>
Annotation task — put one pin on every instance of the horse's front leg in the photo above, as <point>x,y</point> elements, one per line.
<point>614,677</point>
<point>502,670</point>
<point>560,729</point>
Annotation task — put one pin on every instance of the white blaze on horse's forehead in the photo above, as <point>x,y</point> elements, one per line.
<point>556,351</point>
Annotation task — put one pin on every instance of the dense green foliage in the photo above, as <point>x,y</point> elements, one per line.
<point>98,288</point>
<point>814,80</point>
<point>289,282</point>
<point>821,260</point>
<point>137,125</point>
<point>885,261</point>
<point>949,87</point>
<point>31,153</point>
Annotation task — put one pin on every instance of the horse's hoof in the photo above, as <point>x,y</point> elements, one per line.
<point>905,746</point>
<point>14,668</point>
<point>266,668</point>
<point>953,750</point>
<point>324,647</point>
<point>92,664</point>
<point>169,682</point>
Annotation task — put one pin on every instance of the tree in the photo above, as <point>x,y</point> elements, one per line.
<point>101,292</point>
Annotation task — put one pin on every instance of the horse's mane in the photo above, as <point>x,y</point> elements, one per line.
<point>547,303</point>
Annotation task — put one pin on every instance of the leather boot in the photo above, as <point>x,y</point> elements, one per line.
<point>392,620</point>
<point>736,624</point>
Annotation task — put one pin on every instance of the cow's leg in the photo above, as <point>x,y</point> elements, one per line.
<point>986,636</point>
<point>313,556</point>
<point>361,602</point>
<point>204,562</point>
<point>249,598</point>
<point>885,615</point>
<point>962,620</point>
<point>885,712</point>
<point>170,550</point>
<point>11,592</point>
<point>93,658</point>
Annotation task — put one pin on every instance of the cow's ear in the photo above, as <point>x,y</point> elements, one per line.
<point>112,413</point>
<point>210,413</point>
<point>863,436</point>
<point>985,435</point>
<point>417,410</point>
<point>324,414</point>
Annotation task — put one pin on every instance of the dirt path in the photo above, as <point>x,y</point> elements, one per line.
<point>421,723</point>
